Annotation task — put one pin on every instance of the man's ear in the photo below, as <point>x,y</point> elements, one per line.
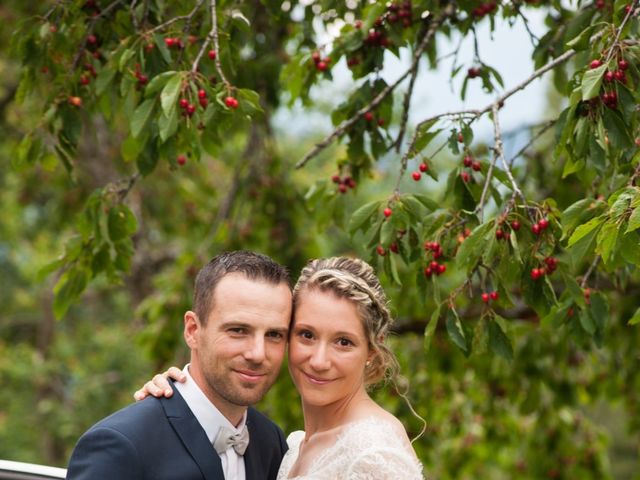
<point>191,328</point>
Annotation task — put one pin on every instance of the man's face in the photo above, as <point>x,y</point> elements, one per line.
<point>236,356</point>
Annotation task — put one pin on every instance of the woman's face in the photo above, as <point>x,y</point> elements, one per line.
<point>328,348</point>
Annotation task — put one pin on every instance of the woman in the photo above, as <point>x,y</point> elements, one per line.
<point>336,351</point>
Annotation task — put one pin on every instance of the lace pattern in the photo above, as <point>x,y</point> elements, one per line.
<point>369,449</point>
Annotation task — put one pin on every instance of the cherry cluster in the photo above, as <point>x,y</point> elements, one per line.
<point>89,72</point>
<point>474,72</point>
<point>434,267</point>
<point>417,175</point>
<point>469,162</point>
<point>484,9</point>
<point>551,264</point>
<point>540,226</point>
<point>487,297</point>
<point>173,42</point>
<point>322,64</point>
<point>141,77</point>
<point>345,183</point>
<point>502,234</point>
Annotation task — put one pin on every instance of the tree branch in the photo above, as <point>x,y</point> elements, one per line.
<point>347,124</point>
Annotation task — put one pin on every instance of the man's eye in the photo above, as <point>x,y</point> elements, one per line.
<point>276,335</point>
<point>237,330</point>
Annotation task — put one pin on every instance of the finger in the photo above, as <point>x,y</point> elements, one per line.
<point>177,374</point>
<point>139,395</point>
<point>159,386</point>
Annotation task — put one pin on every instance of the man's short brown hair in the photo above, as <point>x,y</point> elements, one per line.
<point>255,266</point>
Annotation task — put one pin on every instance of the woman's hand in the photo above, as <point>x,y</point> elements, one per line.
<point>159,386</point>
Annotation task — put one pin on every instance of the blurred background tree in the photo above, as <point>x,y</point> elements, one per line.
<point>143,137</point>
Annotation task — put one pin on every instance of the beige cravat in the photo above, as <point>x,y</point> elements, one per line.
<point>227,438</point>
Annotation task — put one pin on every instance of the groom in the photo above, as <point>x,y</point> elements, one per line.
<point>237,334</point>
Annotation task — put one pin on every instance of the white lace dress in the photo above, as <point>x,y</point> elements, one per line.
<point>367,449</point>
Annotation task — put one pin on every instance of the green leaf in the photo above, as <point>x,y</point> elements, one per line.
<point>629,248</point>
<point>606,240</point>
<point>168,125</point>
<point>104,79</point>
<point>122,223</point>
<point>581,41</point>
<point>431,328</point>
<point>634,220</point>
<point>141,116</point>
<point>585,229</point>
<point>157,82</point>
<point>455,331</point>
<point>499,343</point>
<point>617,130</point>
<point>170,94</point>
<point>473,246</point>
<point>428,202</point>
<point>126,56</point>
<point>587,322</point>
<point>572,215</point>
<point>360,217</point>
<point>635,319</point>
<point>591,82</point>
<point>71,284</point>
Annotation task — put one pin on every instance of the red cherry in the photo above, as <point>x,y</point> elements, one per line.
<point>620,76</point>
<point>494,295</point>
<point>387,212</point>
<point>349,182</point>
<point>460,138</point>
<point>335,178</point>
<point>322,66</point>
<point>203,102</point>
<point>536,273</point>
<point>202,94</point>
<point>475,165</point>
<point>191,109</point>
<point>184,103</point>
<point>381,251</point>
<point>515,225</point>
<point>368,116</point>
<point>75,101</point>
<point>595,64</point>
<point>535,228</point>
<point>465,176</point>
<point>181,159</point>
<point>357,24</point>
<point>231,102</point>
<point>342,188</point>
<point>394,247</point>
<point>442,268</point>
<point>609,76</point>
<point>169,42</point>
<point>143,79</point>
<point>427,271</point>
<point>92,39</point>
<point>467,161</point>
<point>623,64</point>
<point>485,297</point>
<point>499,234</point>
<point>84,80</point>
<point>543,223</point>
<point>212,54</point>
<point>434,265</point>
<point>423,167</point>
<point>416,176</point>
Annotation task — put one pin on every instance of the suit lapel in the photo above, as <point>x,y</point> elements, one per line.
<point>193,436</point>
<point>251,457</point>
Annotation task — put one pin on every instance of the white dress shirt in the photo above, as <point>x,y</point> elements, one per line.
<point>211,420</point>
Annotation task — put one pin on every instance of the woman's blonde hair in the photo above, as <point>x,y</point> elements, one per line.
<point>356,281</point>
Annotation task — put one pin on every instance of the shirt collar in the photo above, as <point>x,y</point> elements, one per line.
<point>208,416</point>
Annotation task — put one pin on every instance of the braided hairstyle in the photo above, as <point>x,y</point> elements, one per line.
<point>355,280</point>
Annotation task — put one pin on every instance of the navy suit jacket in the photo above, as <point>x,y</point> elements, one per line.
<point>160,439</point>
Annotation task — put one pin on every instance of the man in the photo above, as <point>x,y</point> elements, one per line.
<point>237,335</point>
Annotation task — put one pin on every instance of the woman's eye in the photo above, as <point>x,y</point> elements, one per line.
<point>306,334</point>
<point>345,342</point>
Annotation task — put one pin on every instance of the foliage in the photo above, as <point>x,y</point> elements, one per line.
<point>142,141</point>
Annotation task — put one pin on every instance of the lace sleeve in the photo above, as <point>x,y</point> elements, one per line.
<point>382,463</point>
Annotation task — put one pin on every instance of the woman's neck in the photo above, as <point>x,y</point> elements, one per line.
<point>327,417</point>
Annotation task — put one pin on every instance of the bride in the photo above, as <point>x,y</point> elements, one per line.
<point>336,351</point>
